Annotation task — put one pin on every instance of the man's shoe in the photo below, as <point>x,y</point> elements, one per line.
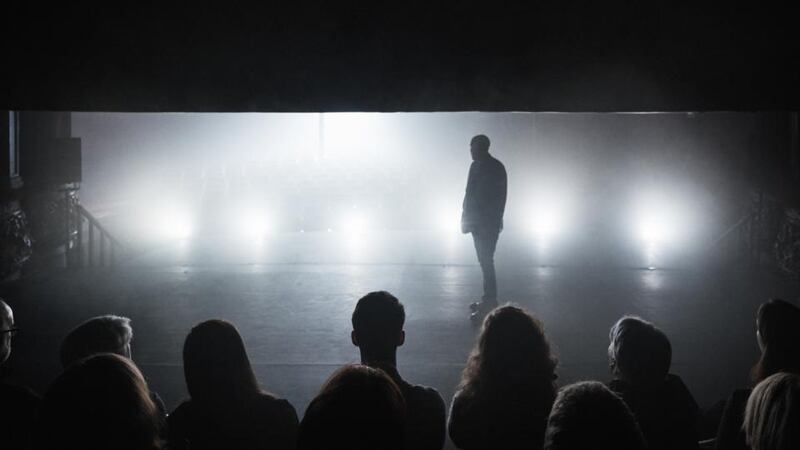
<point>477,317</point>
<point>475,306</point>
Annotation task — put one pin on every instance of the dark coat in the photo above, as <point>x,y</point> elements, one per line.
<point>485,197</point>
<point>666,413</point>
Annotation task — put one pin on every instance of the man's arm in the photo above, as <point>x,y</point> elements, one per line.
<point>468,206</point>
<point>502,193</point>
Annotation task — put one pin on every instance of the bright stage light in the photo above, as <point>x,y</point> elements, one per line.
<point>252,225</point>
<point>449,221</point>
<point>355,222</point>
<point>653,230</point>
<point>548,219</point>
<point>546,224</point>
<point>174,225</point>
<point>664,221</point>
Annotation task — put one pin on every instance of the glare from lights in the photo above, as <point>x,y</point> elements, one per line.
<point>664,218</point>
<point>653,230</point>
<point>253,225</point>
<point>174,225</point>
<point>355,222</point>
<point>546,225</point>
<point>449,221</point>
<point>548,219</point>
<point>354,134</point>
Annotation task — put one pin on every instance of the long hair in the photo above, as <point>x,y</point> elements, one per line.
<point>512,355</point>
<point>638,351</point>
<point>216,366</point>
<point>101,402</point>
<point>772,414</point>
<point>778,323</point>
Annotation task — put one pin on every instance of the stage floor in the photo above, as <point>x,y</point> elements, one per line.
<point>293,309</point>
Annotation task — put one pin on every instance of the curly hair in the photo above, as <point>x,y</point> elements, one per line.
<point>512,353</point>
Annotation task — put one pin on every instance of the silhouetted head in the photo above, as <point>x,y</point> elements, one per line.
<point>378,326</point>
<point>639,352</point>
<point>778,335</point>
<point>588,416</point>
<point>512,354</point>
<point>479,147</point>
<point>772,415</point>
<point>6,330</point>
<point>358,408</point>
<point>102,334</point>
<point>100,402</point>
<point>216,365</point>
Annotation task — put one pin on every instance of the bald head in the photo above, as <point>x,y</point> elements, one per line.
<point>6,323</point>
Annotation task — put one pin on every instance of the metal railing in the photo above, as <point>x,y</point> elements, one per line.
<point>88,243</point>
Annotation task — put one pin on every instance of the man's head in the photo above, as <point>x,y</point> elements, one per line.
<point>479,146</point>
<point>378,325</point>
<point>6,327</point>
<point>102,334</point>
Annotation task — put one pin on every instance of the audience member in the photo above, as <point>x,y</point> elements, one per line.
<point>226,409</point>
<point>640,356</point>
<point>99,403</point>
<point>778,336</point>
<point>588,416</point>
<point>358,408</point>
<point>377,331</point>
<point>102,334</point>
<point>508,386</point>
<point>772,415</point>
<point>18,405</point>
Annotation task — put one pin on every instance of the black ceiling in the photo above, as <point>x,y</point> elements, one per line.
<point>346,56</point>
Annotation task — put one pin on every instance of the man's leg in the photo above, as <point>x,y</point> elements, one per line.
<point>485,245</point>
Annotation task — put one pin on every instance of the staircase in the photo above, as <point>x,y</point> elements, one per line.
<point>87,242</point>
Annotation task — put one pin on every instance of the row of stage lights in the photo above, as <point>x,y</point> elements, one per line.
<point>546,225</point>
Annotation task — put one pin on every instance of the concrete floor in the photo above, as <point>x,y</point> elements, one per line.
<point>292,303</point>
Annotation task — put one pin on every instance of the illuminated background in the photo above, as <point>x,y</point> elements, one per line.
<point>631,190</point>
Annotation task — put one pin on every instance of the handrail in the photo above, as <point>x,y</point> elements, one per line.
<point>80,255</point>
<point>96,223</point>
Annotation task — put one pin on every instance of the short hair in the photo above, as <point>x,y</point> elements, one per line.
<point>638,351</point>
<point>100,402</point>
<point>587,415</point>
<point>377,319</point>
<point>359,408</point>
<point>481,141</point>
<point>101,334</point>
<point>772,414</point>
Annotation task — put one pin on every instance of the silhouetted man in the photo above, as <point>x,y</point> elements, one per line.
<point>18,405</point>
<point>482,215</point>
<point>377,331</point>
